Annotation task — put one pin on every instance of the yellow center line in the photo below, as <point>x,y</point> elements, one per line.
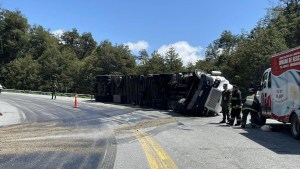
<point>156,156</point>
<point>153,161</point>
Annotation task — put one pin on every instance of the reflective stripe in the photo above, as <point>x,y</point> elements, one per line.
<point>236,107</point>
<point>251,100</point>
<point>248,108</point>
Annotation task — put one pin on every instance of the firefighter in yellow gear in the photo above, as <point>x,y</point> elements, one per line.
<point>250,105</point>
<point>236,106</point>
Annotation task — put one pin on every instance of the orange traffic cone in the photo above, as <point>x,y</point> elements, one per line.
<point>75,102</point>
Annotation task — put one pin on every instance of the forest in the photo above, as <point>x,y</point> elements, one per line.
<point>32,58</point>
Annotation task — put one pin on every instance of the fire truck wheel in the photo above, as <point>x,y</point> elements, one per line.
<point>295,126</point>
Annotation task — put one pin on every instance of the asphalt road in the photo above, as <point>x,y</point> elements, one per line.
<point>42,133</point>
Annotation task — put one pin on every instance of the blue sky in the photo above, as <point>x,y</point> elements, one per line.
<point>187,25</point>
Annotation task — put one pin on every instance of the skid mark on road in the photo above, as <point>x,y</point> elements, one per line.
<point>47,137</point>
<point>147,124</point>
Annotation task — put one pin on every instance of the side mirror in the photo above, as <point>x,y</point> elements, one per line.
<point>259,88</point>
<point>264,85</point>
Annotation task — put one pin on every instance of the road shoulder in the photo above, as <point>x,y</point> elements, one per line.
<point>10,114</point>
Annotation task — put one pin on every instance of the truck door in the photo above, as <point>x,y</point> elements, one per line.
<point>266,93</point>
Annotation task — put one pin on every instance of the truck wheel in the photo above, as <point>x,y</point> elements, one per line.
<point>180,106</point>
<point>295,127</point>
<point>205,112</point>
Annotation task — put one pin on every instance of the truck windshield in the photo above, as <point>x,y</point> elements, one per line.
<point>264,79</point>
<point>269,80</point>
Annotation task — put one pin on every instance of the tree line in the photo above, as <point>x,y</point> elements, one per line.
<point>32,58</point>
<point>243,58</point>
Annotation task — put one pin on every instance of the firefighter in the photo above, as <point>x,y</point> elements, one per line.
<point>250,105</point>
<point>53,90</point>
<point>225,103</point>
<point>236,106</point>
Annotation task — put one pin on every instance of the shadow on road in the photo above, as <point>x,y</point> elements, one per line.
<point>278,139</point>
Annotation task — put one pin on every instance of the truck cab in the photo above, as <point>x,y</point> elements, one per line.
<point>205,97</point>
<point>265,95</point>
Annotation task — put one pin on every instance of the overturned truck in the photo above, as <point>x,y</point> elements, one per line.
<point>195,93</point>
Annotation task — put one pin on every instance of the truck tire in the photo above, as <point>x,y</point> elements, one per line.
<point>295,126</point>
<point>180,106</point>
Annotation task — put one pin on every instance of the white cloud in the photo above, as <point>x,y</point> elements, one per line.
<point>137,46</point>
<point>57,33</point>
<point>187,53</point>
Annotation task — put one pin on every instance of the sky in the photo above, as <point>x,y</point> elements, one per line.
<point>188,26</point>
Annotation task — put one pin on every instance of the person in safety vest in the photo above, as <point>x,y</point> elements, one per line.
<point>236,106</point>
<point>226,94</point>
<point>250,105</point>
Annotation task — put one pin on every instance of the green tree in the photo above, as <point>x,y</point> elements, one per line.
<point>172,61</point>
<point>70,40</point>
<point>107,59</point>
<point>115,59</point>
<point>223,46</point>
<point>22,73</point>
<point>142,60</point>
<point>39,41</point>
<point>83,45</point>
<point>143,56</point>
<point>13,35</point>
<point>87,45</point>
<point>190,67</point>
<point>60,67</point>
<point>91,66</point>
<point>69,69</point>
<point>155,64</point>
<point>286,19</point>
<point>206,66</point>
<point>50,72</point>
<point>254,56</point>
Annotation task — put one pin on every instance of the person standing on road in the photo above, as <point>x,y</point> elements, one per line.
<point>54,89</point>
<point>236,106</point>
<point>250,105</point>
<point>225,103</point>
<point>1,88</point>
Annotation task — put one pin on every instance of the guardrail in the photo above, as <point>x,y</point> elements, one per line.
<point>47,93</point>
